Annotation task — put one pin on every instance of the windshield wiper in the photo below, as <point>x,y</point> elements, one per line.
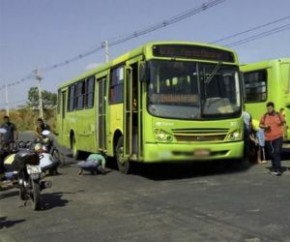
<point>212,74</point>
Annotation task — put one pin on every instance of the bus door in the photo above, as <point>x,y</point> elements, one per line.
<point>63,114</point>
<point>128,113</point>
<point>101,115</point>
<point>131,103</point>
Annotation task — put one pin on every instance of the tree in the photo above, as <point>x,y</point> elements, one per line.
<point>49,99</point>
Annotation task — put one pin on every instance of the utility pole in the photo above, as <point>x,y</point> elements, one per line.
<point>38,79</point>
<point>106,47</point>
<point>6,99</point>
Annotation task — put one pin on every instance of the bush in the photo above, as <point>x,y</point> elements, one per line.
<point>25,118</point>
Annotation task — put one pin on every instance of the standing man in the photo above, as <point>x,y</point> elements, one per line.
<point>11,134</point>
<point>272,122</point>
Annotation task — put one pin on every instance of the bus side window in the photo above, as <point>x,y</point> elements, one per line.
<point>117,85</point>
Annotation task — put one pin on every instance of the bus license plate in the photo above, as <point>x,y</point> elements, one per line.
<point>201,152</point>
<point>33,169</point>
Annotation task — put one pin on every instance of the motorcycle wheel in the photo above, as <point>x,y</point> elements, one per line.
<point>56,155</point>
<point>35,195</point>
<point>22,193</point>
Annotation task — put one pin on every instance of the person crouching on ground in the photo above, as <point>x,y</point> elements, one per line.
<point>95,164</point>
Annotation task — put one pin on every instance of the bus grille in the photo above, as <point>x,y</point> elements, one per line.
<point>199,135</point>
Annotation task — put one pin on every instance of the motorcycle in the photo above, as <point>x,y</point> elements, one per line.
<point>23,166</point>
<point>49,154</point>
<point>5,150</point>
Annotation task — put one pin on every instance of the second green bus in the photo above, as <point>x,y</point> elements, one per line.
<point>265,81</point>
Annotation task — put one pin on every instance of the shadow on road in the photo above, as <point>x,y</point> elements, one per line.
<point>9,223</point>
<point>8,193</point>
<point>52,200</point>
<point>168,171</point>
<point>285,154</point>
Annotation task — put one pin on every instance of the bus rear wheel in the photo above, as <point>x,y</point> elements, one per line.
<point>75,151</point>
<point>124,165</point>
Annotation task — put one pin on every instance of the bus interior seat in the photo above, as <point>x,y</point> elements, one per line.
<point>217,105</point>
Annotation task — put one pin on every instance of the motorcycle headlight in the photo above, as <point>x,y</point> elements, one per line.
<point>45,140</point>
<point>37,147</point>
<point>162,135</point>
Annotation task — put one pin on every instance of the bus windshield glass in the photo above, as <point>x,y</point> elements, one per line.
<point>193,90</point>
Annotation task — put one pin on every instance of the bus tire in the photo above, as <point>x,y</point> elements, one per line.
<point>243,163</point>
<point>22,193</point>
<point>124,166</point>
<point>239,164</point>
<point>75,151</point>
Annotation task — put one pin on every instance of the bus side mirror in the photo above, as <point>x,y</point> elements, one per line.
<point>143,72</point>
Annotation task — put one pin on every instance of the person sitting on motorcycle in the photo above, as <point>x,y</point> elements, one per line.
<point>95,163</point>
<point>40,126</point>
<point>47,161</point>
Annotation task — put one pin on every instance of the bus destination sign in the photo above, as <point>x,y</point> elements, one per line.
<point>192,52</point>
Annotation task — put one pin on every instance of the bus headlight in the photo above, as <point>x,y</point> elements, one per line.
<point>234,135</point>
<point>162,135</point>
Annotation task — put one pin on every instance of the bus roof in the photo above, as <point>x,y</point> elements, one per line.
<point>137,51</point>
<point>265,63</point>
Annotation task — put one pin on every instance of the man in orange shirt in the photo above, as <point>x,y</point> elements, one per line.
<point>272,122</point>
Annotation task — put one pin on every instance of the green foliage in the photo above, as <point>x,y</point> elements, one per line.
<point>33,97</point>
<point>48,99</point>
<point>25,117</point>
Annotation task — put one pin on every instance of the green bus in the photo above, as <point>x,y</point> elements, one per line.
<point>161,102</point>
<point>266,81</point>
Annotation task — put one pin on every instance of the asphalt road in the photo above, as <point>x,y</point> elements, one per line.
<point>157,203</point>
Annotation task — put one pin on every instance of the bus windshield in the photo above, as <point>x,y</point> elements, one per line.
<point>193,90</point>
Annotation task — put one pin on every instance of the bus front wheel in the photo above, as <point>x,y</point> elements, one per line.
<point>124,165</point>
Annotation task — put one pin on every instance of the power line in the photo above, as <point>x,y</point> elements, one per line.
<point>27,77</point>
<point>167,22</point>
<point>123,39</point>
<point>138,33</point>
<point>260,35</point>
<point>251,29</point>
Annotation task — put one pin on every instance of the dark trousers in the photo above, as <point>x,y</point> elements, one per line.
<point>274,149</point>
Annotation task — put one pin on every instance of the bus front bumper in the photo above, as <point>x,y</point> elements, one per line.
<point>182,152</point>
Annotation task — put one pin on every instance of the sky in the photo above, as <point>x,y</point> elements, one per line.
<point>45,33</point>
